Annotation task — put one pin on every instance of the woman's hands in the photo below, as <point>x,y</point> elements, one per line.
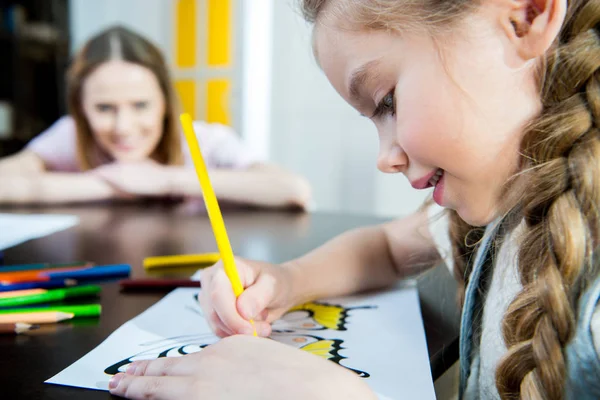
<point>144,178</point>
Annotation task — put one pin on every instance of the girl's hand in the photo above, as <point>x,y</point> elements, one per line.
<point>145,178</point>
<point>266,297</point>
<point>240,367</point>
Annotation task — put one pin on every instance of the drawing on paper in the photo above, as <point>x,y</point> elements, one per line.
<point>316,316</point>
<point>289,329</point>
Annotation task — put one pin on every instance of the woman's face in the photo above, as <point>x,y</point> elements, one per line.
<point>125,107</point>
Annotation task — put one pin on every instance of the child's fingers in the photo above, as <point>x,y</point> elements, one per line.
<point>164,366</point>
<point>224,303</point>
<point>160,367</point>
<point>206,276</point>
<point>210,315</point>
<point>150,387</point>
<point>217,325</point>
<point>263,329</point>
<point>256,298</point>
<point>221,333</point>
<point>263,315</point>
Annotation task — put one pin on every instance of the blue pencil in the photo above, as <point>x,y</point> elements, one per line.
<point>52,284</point>
<point>105,271</point>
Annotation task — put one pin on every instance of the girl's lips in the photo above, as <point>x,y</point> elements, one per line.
<point>423,183</point>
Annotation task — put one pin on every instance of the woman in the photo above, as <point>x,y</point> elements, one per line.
<point>122,139</point>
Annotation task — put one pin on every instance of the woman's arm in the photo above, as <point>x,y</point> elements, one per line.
<point>24,180</point>
<point>264,185</point>
<point>23,163</point>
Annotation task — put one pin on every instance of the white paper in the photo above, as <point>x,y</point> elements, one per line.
<point>19,228</point>
<point>379,336</point>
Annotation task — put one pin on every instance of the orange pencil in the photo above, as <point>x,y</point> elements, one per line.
<point>43,317</point>
<point>18,293</point>
<point>24,278</point>
<point>36,275</point>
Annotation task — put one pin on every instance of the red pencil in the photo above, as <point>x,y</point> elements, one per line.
<point>156,284</point>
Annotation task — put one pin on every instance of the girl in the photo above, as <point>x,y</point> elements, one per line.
<point>122,139</point>
<point>495,104</point>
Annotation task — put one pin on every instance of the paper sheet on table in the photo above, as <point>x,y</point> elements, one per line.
<point>19,228</point>
<point>380,337</point>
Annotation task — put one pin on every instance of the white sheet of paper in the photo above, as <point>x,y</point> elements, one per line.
<point>384,339</point>
<point>19,228</point>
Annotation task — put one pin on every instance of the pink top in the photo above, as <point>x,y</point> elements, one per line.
<point>221,147</point>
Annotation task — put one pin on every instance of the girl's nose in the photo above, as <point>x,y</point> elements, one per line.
<point>392,159</point>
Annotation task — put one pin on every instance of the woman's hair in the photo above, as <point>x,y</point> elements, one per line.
<point>561,167</point>
<point>121,44</point>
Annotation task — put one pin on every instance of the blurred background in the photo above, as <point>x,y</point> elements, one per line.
<point>244,63</point>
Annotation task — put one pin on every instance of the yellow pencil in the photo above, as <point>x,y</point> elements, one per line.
<point>212,207</point>
<point>196,260</point>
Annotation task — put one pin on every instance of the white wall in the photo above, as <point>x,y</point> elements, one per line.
<point>314,132</point>
<point>151,18</point>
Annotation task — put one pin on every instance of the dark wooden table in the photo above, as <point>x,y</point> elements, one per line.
<point>129,233</point>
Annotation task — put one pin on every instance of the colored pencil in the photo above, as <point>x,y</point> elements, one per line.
<point>212,207</point>
<point>105,271</point>
<point>35,275</point>
<point>32,267</point>
<point>18,293</point>
<point>16,328</point>
<point>87,310</point>
<point>51,295</point>
<point>183,260</point>
<point>156,284</point>
<point>46,317</point>
<point>52,284</point>
<point>101,271</point>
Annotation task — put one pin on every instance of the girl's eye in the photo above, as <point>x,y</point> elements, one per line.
<point>387,106</point>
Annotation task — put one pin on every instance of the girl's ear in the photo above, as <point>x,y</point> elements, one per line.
<point>533,25</point>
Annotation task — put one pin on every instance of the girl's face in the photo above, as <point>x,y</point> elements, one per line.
<point>125,108</point>
<point>450,115</point>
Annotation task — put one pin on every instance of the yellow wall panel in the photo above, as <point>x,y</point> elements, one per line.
<point>219,33</point>
<point>217,101</point>
<point>187,94</point>
<point>185,34</point>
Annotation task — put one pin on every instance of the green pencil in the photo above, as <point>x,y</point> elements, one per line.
<point>89,310</point>
<point>50,296</point>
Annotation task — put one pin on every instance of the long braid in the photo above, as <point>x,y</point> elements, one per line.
<point>562,153</point>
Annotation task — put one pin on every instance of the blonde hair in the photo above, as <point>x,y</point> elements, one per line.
<point>561,167</point>
<point>122,44</point>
